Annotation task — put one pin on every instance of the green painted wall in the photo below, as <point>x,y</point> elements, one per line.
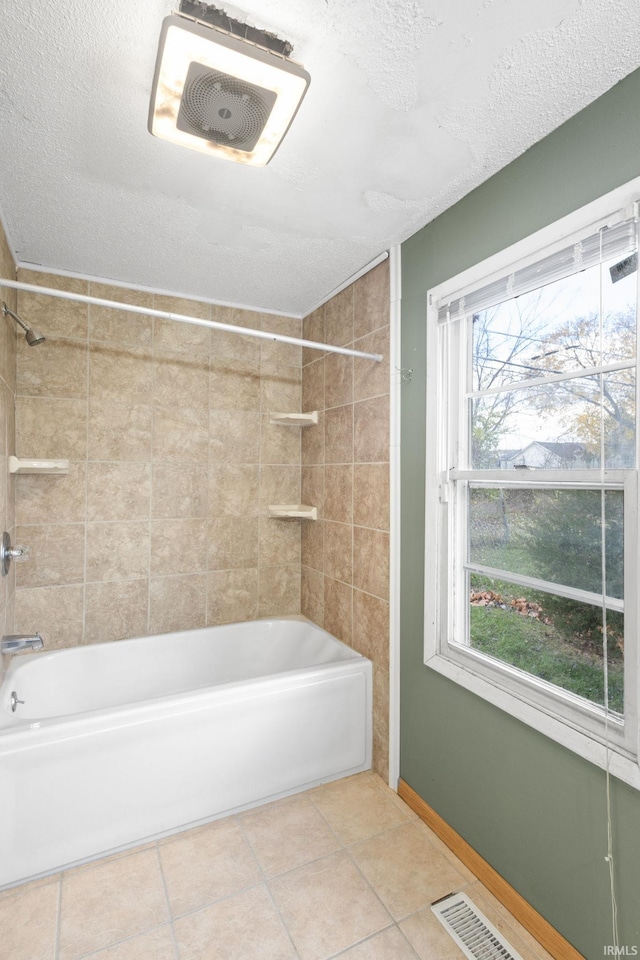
<point>531,808</point>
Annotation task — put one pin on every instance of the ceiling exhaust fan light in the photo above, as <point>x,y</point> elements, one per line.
<point>233,89</point>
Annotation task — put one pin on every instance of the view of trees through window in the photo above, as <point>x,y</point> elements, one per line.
<point>553,389</point>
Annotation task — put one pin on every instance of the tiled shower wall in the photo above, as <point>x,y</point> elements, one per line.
<point>7,420</point>
<point>345,555</point>
<point>161,521</point>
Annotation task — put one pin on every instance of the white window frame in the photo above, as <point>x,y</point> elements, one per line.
<point>560,715</point>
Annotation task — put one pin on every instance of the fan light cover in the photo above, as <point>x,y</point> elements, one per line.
<point>217,93</point>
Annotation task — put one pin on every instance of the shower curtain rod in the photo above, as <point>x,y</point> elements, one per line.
<point>181,318</point>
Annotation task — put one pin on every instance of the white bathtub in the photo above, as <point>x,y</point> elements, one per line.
<point>117,743</point>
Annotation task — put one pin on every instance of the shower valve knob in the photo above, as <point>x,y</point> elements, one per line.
<point>9,553</point>
<point>18,554</point>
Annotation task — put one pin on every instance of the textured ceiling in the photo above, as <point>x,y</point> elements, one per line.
<point>411,105</point>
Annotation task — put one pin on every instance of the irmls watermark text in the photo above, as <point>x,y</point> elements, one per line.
<point>611,951</point>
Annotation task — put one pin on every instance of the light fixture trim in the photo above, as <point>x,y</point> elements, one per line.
<point>184,41</point>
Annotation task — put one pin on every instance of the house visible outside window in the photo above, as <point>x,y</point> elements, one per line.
<point>532,503</point>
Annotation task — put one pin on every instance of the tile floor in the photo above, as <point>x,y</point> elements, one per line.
<point>344,870</point>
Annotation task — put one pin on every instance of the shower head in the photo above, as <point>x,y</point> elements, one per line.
<point>32,336</point>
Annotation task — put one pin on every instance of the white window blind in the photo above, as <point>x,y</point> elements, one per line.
<point>608,243</point>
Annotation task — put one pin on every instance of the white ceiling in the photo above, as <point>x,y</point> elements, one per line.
<point>412,103</point>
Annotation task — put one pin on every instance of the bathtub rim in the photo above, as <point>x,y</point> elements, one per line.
<point>172,703</point>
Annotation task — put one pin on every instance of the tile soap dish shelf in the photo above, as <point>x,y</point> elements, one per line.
<point>19,465</point>
<point>295,419</point>
<point>292,511</point>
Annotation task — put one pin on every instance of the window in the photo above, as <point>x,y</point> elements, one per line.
<point>532,504</point>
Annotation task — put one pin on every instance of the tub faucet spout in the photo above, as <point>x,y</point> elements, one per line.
<point>21,641</point>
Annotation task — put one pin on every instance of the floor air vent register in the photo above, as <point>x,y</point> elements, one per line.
<point>471,930</point>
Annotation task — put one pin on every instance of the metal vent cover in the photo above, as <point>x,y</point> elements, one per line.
<point>474,934</point>
<point>223,109</point>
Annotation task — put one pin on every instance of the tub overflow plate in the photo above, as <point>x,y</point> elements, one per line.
<point>14,701</point>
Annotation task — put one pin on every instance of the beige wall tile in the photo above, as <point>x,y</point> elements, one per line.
<point>313,445</point>
<point>371,430</point>
<point>57,613</point>
<point>178,546</point>
<point>119,373</point>
<point>120,326</point>
<point>312,544</point>
<point>280,388</point>
<point>117,551</point>
<point>8,332</point>
<point>234,384</point>
<point>57,554</point>
<point>279,484</point>
<point>233,344</point>
<point>51,428</point>
<point>338,318</point>
<point>56,368</point>
<point>381,720</point>
<point>279,590</point>
<point>282,354</point>
<point>119,431</point>
<point>46,499</point>
<point>371,495</point>
<point>312,595</point>
<point>232,596</point>
<point>119,491</point>
<point>338,607</point>
<point>177,603</point>
<point>371,301</point>
<point>371,561</point>
<point>234,490</point>
<point>370,378</point>
<point>338,492</point>
<point>313,385</point>
<point>49,315</point>
<point>279,541</point>
<point>179,490</point>
<point>312,487</point>
<point>182,337</point>
<point>338,435</point>
<point>181,380</point>
<point>313,329</point>
<point>338,380</point>
<point>234,436</point>
<point>233,543</point>
<point>338,551</point>
<point>116,610</point>
<point>279,444</point>
<point>180,434</point>
<point>371,626</point>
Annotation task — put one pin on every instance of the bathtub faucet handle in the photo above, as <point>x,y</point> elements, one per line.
<point>9,553</point>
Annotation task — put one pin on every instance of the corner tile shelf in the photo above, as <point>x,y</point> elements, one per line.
<point>295,419</point>
<point>292,511</point>
<point>17,465</point>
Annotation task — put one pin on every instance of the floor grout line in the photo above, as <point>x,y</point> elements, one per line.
<point>266,848</point>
